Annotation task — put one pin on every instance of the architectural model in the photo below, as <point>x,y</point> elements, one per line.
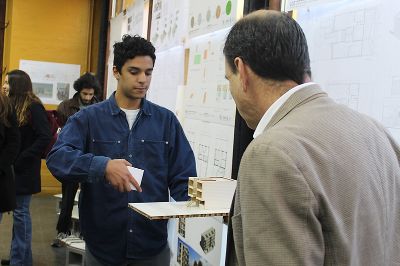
<point>211,192</point>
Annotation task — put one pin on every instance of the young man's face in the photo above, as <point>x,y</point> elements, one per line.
<point>134,79</point>
<point>5,89</point>
<point>86,95</point>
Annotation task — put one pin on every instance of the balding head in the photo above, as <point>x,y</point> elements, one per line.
<point>272,44</point>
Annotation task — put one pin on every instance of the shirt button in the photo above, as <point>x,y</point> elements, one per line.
<point>130,230</point>
<point>130,155</point>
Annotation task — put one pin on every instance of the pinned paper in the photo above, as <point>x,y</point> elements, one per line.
<point>137,173</point>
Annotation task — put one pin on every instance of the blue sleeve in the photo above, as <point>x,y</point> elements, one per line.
<point>69,159</point>
<point>182,164</point>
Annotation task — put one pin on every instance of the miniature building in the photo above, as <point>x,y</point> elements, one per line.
<point>183,254</point>
<point>207,241</point>
<point>211,192</point>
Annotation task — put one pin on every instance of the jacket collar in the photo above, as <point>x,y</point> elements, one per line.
<point>145,106</point>
<point>300,97</point>
<point>76,99</point>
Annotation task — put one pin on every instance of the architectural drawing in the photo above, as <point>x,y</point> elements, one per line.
<point>391,113</point>
<point>345,93</point>
<point>168,25</point>
<point>346,35</point>
<point>396,26</point>
<point>202,159</point>
<point>220,157</point>
<point>395,89</point>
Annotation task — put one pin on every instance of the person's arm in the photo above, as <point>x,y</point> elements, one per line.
<point>62,114</point>
<point>181,162</point>
<point>69,160</point>
<point>278,211</point>
<point>9,151</point>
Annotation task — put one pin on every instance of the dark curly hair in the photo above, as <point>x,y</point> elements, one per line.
<point>130,47</point>
<point>272,44</point>
<point>87,81</point>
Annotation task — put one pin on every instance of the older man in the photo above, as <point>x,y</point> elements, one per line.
<point>320,183</point>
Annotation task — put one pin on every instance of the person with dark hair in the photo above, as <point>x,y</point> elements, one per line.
<point>320,182</point>
<point>35,134</point>
<point>97,145</point>
<point>86,86</point>
<point>9,148</point>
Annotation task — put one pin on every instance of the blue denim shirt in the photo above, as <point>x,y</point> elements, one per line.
<point>156,143</point>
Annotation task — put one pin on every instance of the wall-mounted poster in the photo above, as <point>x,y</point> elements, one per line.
<point>166,79</point>
<point>51,82</point>
<point>168,23</point>
<point>118,27</point>
<point>135,15</point>
<point>210,15</point>
<point>353,48</point>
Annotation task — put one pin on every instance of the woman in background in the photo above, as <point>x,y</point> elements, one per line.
<point>9,148</point>
<point>35,135</point>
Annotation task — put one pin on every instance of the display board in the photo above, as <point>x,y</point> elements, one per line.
<point>167,77</point>
<point>136,18</point>
<point>132,22</point>
<point>209,108</point>
<point>354,55</point>
<point>168,23</point>
<point>51,82</point>
<point>211,15</point>
<point>118,27</point>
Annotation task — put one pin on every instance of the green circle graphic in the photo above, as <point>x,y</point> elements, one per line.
<point>228,7</point>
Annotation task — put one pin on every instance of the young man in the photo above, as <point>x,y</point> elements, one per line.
<point>319,184</point>
<point>86,86</point>
<point>96,146</point>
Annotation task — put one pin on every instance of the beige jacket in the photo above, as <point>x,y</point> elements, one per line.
<point>320,186</point>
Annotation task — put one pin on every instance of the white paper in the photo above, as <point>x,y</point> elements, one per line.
<point>166,79</point>
<point>292,4</point>
<point>137,173</point>
<point>353,48</point>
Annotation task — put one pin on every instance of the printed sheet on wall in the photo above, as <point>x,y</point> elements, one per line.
<point>354,55</point>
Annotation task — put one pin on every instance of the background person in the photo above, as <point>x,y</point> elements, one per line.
<point>9,148</point>
<point>320,182</point>
<point>35,134</point>
<point>96,146</point>
<point>86,86</point>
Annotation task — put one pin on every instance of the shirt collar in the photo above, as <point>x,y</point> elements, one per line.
<point>274,108</point>
<point>115,109</point>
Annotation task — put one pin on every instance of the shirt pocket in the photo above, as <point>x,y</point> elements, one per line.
<point>109,148</point>
<point>154,153</point>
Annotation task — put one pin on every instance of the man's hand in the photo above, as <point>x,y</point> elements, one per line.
<point>118,176</point>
